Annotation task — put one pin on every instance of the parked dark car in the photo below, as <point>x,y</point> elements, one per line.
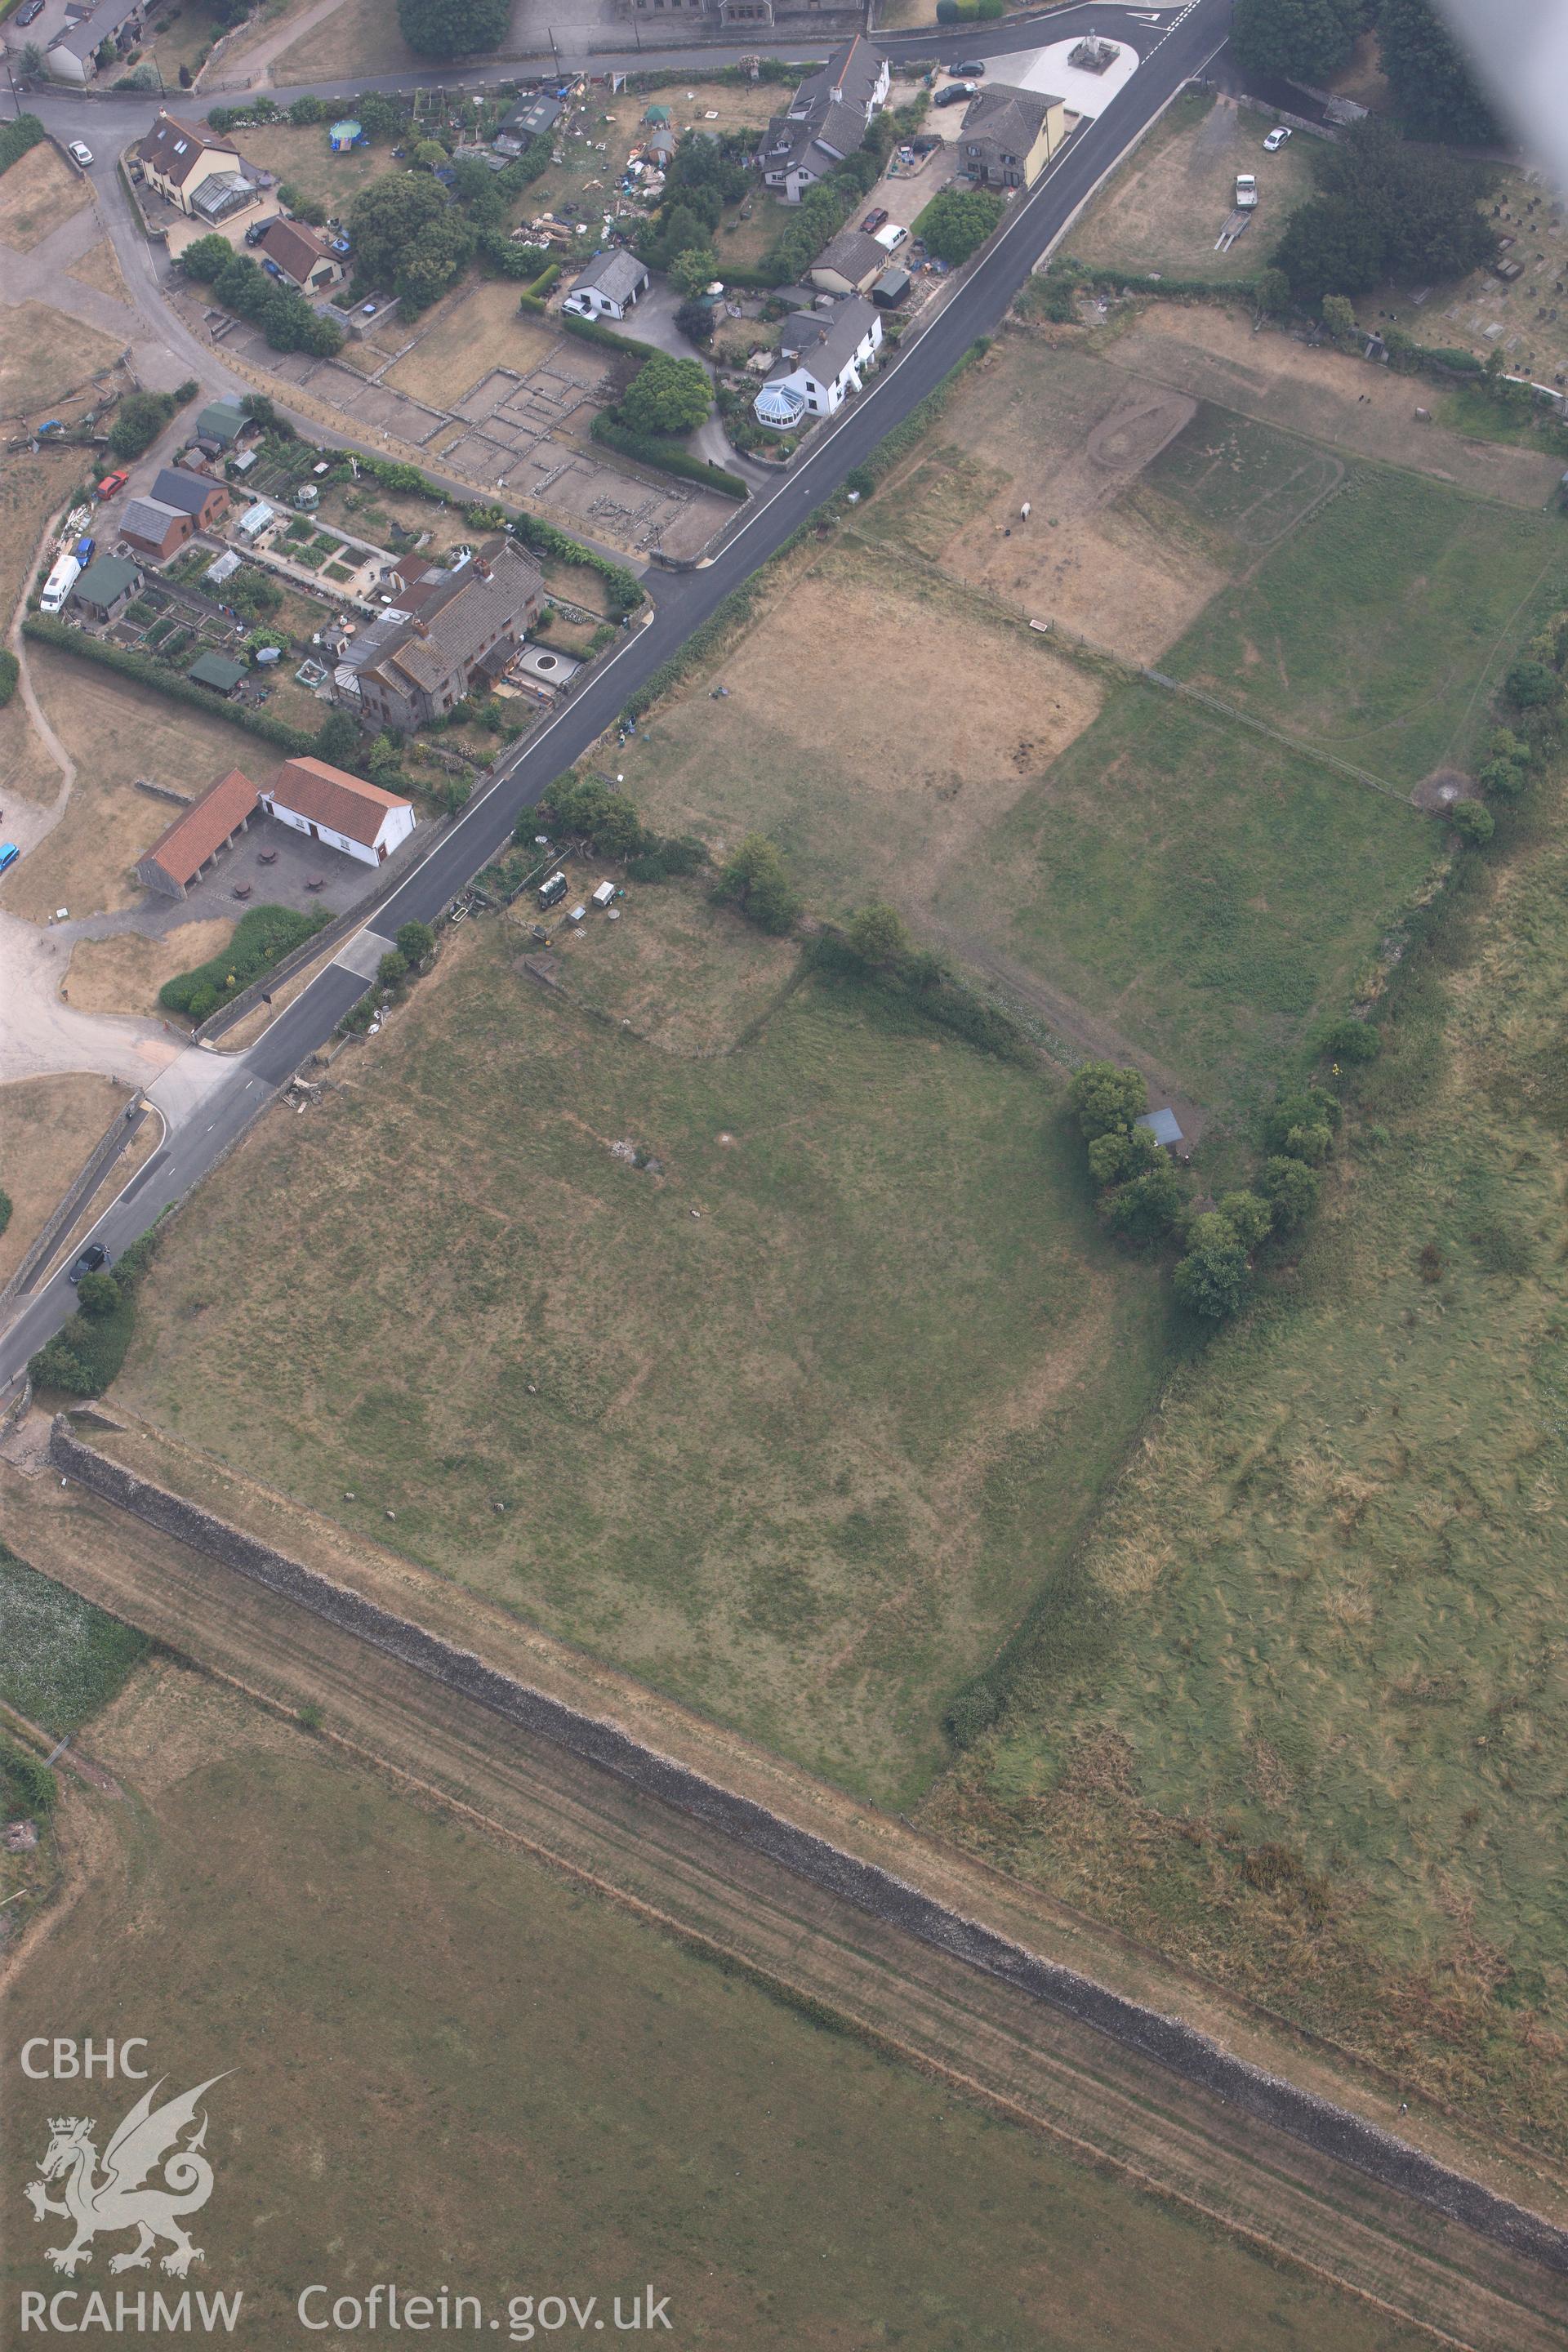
<point>874,219</point>
<point>29,12</point>
<point>973,71</point>
<point>955,94</point>
<point>257,231</point>
<point>93,1257</point>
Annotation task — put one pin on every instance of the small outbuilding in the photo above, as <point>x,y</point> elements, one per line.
<point>217,674</point>
<point>255,520</point>
<point>1163,1125</point>
<point>892,288</point>
<point>107,587</point>
<point>199,835</point>
<point>225,422</point>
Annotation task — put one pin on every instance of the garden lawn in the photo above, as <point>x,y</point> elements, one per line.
<point>1208,890</point>
<point>1381,626</point>
<point>801,1457</point>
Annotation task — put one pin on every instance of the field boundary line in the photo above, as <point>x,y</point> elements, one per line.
<point>1276,735</point>
<point>1330,2130</point>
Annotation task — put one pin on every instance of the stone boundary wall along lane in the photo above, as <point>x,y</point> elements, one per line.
<point>1331,2130</point>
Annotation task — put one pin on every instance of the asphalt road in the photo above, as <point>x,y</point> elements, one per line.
<point>683,602</point>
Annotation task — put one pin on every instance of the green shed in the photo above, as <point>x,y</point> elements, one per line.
<point>216,671</point>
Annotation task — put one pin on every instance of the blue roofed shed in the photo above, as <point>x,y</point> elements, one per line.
<point>1162,1125</point>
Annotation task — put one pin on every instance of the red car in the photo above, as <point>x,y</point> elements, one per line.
<point>111,484</point>
<point>873,220</point>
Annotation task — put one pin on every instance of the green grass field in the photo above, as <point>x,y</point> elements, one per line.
<point>446,2066</point>
<point>1209,888</point>
<point>1332,1580</point>
<point>801,1457</point>
<point>1382,626</point>
<point>61,1658</point>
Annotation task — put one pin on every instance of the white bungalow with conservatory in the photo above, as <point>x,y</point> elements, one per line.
<point>824,355</point>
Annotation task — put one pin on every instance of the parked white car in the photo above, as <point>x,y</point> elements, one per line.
<point>1275,139</point>
<point>80,154</point>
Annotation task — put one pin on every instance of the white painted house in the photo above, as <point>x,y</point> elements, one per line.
<point>609,286</point>
<point>823,357</point>
<point>339,810</point>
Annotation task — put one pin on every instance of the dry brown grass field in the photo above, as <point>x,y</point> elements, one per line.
<point>100,269</point>
<point>1213,354</point>
<point>43,354</point>
<point>1166,206</point>
<point>124,974</point>
<point>878,726</point>
<point>36,194</point>
<point>479,328</point>
<point>863,1270</point>
<point>116,731</point>
<point>48,1127</point>
<point>607,2106</point>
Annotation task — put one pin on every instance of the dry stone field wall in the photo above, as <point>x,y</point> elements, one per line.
<point>1332,2130</point>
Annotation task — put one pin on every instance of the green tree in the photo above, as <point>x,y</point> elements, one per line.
<point>1423,202</point>
<point>443,248</point>
<point>1348,1040</point>
<point>1429,77</point>
<point>453,28</point>
<point>1248,1216</point>
<point>1272,291</point>
<point>666,395</point>
<point>1530,684</point>
<point>337,739</point>
<point>689,272</point>
<point>429,155</point>
<point>1291,1190</point>
<point>880,938</point>
<point>393,968</point>
<point>757,881</point>
<point>204,256</point>
<point>1306,39</point>
<point>31,61</point>
<point>1301,1110</point>
<point>956,223</point>
<point>97,1294</point>
<point>140,417</point>
<point>386,219</point>
<point>1121,1154</point>
<point>1339,316</point>
<point>1145,1209</point>
<point>1473,822</point>
<point>695,321</point>
<point>416,944</point>
<point>1213,1277</point>
<point>1103,1097</point>
<point>1503,780</point>
<point>1329,246</point>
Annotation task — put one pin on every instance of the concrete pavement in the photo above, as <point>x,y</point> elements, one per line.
<point>41,1038</point>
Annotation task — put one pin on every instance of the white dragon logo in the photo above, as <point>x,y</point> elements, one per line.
<point>118,2199</point>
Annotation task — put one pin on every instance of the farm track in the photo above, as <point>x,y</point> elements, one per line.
<point>1037,2065</point>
